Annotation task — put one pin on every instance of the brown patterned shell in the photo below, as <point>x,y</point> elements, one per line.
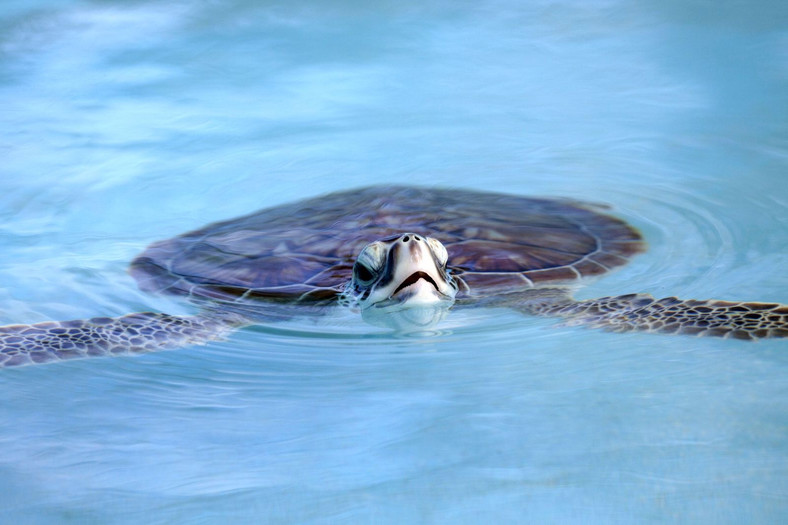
<point>305,250</point>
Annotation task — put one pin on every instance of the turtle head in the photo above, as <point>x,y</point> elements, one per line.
<point>402,272</point>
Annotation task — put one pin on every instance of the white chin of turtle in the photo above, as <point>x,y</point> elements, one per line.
<point>418,306</point>
<point>406,318</point>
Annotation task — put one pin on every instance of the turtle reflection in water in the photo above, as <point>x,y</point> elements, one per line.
<point>390,252</point>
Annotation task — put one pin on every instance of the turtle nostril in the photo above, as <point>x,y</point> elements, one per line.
<point>416,238</point>
<point>405,239</point>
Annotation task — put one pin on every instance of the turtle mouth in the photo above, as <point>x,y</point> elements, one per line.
<point>413,279</point>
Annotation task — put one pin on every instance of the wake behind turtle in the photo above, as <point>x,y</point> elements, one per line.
<point>387,250</point>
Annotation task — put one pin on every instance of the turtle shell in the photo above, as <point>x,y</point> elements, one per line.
<point>305,250</point>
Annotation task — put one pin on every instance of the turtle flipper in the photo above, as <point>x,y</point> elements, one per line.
<point>624,313</point>
<point>133,333</point>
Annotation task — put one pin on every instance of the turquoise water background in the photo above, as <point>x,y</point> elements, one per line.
<point>123,123</point>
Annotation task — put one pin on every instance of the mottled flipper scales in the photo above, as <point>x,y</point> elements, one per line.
<point>133,333</point>
<point>740,320</point>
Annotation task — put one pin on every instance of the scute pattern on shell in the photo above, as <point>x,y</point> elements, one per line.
<point>305,250</point>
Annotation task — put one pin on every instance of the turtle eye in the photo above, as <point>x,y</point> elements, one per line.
<point>369,263</point>
<point>363,274</point>
<point>439,251</point>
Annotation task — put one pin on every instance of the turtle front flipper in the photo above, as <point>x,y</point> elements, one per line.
<point>624,313</point>
<point>134,333</point>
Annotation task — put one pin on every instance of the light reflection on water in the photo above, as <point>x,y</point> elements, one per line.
<point>125,124</point>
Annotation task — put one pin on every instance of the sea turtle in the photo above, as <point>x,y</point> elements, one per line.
<point>384,250</point>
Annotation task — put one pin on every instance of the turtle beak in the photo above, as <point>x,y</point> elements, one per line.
<point>414,283</point>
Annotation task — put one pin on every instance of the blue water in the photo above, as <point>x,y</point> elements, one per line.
<point>122,123</point>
